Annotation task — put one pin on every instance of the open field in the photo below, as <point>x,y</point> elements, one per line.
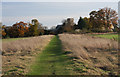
<point>17,55</point>
<point>109,36</point>
<point>65,54</point>
<point>99,56</point>
<point>65,38</point>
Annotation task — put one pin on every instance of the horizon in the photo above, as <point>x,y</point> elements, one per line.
<point>49,13</point>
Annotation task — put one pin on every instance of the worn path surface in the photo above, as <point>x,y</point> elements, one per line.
<point>52,61</point>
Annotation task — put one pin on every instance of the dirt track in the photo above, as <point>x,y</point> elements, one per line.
<point>99,54</point>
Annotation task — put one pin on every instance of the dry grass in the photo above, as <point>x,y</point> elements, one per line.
<point>19,54</point>
<point>99,55</point>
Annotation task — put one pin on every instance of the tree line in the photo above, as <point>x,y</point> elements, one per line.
<point>22,29</point>
<point>103,20</point>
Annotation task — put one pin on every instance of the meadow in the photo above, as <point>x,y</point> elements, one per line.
<point>17,55</point>
<point>59,39</point>
<point>97,55</point>
<point>63,54</point>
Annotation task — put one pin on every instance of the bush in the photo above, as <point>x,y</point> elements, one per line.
<point>84,30</point>
<point>100,31</point>
<point>116,29</point>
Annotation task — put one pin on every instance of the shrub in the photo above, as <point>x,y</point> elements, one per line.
<point>100,30</point>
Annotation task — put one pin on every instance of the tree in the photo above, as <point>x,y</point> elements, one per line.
<point>3,31</point>
<point>81,23</point>
<point>104,18</point>
<point>111,16</point>
<point>88,24</point>
<point>26,32</point>
<point>95,19</point>
<point>34,27</point>
<point>21,28</point>
<point>16,30</point>
<point>13,32</point>
<point>3,34</point>
<point>68,25</point>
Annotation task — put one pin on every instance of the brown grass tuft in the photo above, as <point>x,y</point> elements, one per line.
<point>18,55</point>
<point>99,54</point>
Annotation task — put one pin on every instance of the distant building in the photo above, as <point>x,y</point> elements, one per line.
<point>58,29</point>
<point>70,21</point>
<point>65,27</point>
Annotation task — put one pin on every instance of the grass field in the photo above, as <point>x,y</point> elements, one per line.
<point>109,36</point>
<point>65,54</point>
<point>52,61</point>
<point>13,39</point>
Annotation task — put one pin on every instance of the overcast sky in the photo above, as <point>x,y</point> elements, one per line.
<point>60,0</point>
<point>49,13</point>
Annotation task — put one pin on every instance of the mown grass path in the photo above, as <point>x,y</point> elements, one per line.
<point>52,61</point>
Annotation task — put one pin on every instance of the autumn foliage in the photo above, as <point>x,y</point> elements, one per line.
<point>104,18</point>
<point>22,29</point>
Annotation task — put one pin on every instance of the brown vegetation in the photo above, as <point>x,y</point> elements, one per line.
<point>98,55</point>
<point>18,55</point>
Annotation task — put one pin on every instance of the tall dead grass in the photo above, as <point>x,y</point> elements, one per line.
<point>25,44</point>
<point>98,53</point>
<point>19,54</point>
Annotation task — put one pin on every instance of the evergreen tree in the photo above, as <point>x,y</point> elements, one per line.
<point>81,23</point>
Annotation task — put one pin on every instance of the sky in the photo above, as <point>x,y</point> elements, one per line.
<point>119,10</point>
<point>49,13</point>
<point>60,0</point>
